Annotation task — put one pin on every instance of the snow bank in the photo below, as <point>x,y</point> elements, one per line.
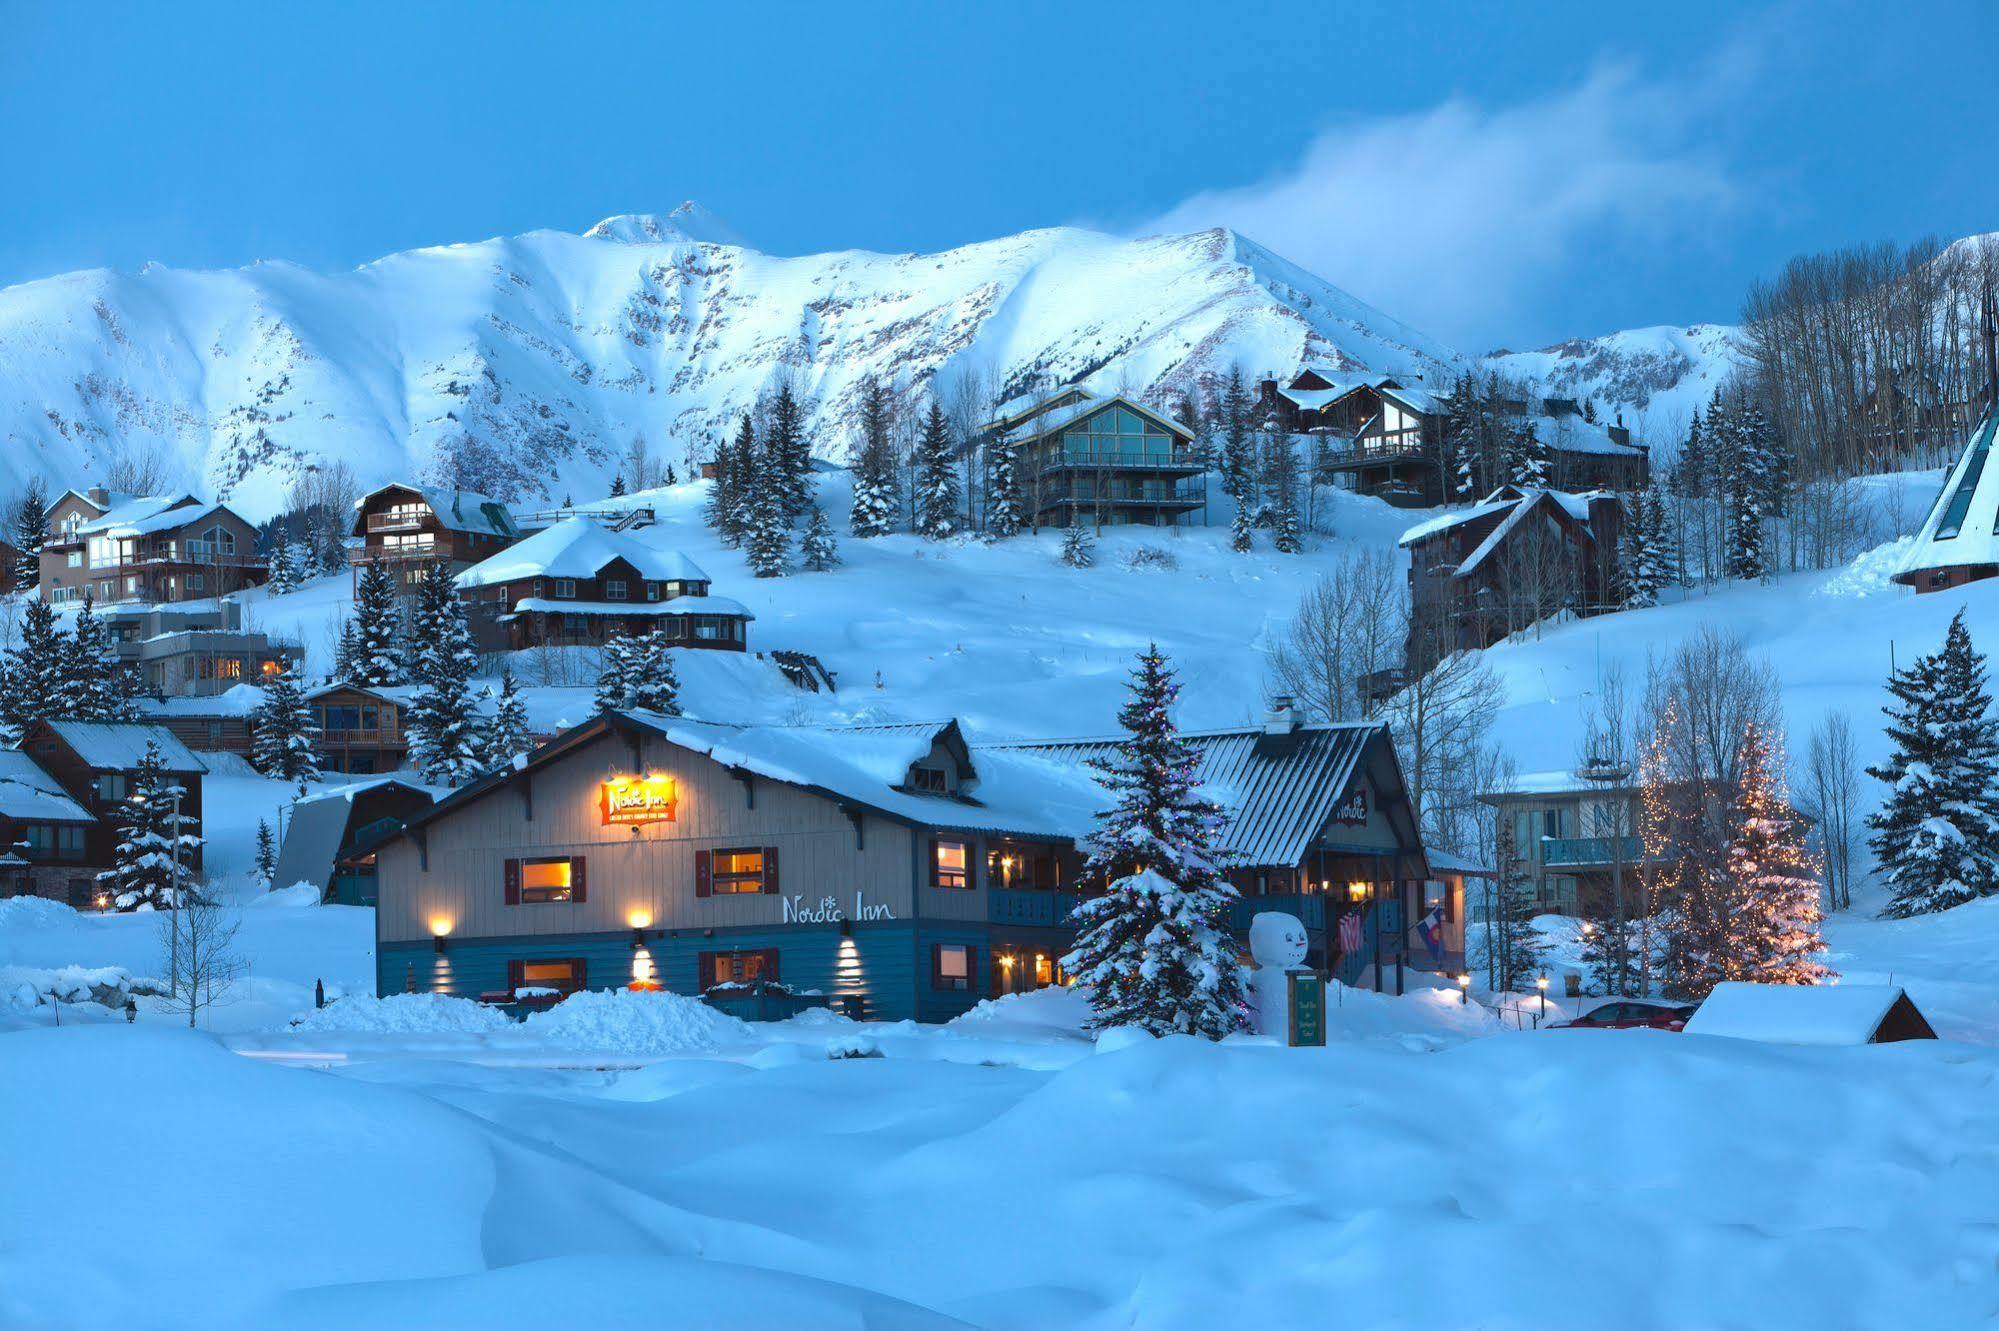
<point>27,986</point>
<point>621,1021</point>
<point>18,914</point>
<point>298,894</point>
<point>1869,573</point>
<point>402,1014</point>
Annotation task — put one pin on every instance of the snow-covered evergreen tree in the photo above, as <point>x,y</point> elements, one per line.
<point>1463,441</point>
<point>151,870</point>
<point>284,567</point>
<point>731,500</point>
<point>1155,950</point>
<point>31,532</point>
<point>266,861</point>
<point>1510,946</point>
<point>768,537</point>
<point>376,660</point>
<point>1936,834</point>
<point>284,732</point>
<point>818,550</point>
<point>638,675</point>
<point>791,452</point>
<point>507,733</point>
<point>1238,465</point>
<point>614,673</point>
<point>1743,457</point>
<point>1079,548</point>
<point>1529,461</point>
<point>444,724</point>
<point>1689,477</point>
<point>1003,508</point>
<point>937,491</point>
<point>877,486</point>
<point>1287,536</point>
<point>37,673</point>
<point>618,486</point>
<point>96,686</point>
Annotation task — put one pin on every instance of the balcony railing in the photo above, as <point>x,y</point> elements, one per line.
<point>350,738</point>
<point>367,554</point>
<point>397,521</point>
<point>1013,905</point>
<point>1337,459</point>
<point>1580,850</point>
<point>1071,458</point>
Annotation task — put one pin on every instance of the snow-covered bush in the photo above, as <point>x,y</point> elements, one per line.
<point>1142,558</point>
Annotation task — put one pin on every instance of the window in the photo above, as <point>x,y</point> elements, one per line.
<point>349,716</point>
<point>73,559</point>
<point>614,589</point>
<point>926,779</point>
<point>565,589</point>
<point>950,864</point>
<point>547,880</point>
<point>713,968</point>
<point>196,581</point>
<point>564,976</point>
<point>652,591</point>
<point>111,786</point>
<point>738,871</point>
<point>1044,969</point>
<point>69,843</point>
<point>951,966</point>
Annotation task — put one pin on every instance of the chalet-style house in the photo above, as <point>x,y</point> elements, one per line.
<point>361,731</point>
<point>1084,460</point>
<point>407,526</point>
<point>1517,557</point>
<point>896,869</point>
<point>580,583</point>
<point>60,795</point>
<point>118,547</point>
<point>324,829</point>
<point>1385,437</point>
<point>194,649</point>
<point>1572,837</point>
<point>1959,540</point>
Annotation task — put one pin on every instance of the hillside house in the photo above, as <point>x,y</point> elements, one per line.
<point>407,526</point>
<point>95,763</point>
<point>361,730</point>
<point>1093,461</point>
<point>1572,837</point>
<point>1517,557</point>
<point>1959,540</point>
<point>208,723</point>
<point>44,836</point>
<point>193,649</point>
<point>580,583</point>
<point>898,869</point>
<point>117,547</point>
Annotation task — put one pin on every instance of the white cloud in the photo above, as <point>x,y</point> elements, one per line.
<point>1459,219</point>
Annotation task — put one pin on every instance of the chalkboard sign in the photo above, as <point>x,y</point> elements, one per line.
<point>1308,1008</point>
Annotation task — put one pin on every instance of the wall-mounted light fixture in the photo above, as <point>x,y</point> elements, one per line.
<point>846,928</point>
<point>440,925</point>
<point>1357,890</point>
<point>641,920</point>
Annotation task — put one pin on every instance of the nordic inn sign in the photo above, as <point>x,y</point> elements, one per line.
<point>632,801</point>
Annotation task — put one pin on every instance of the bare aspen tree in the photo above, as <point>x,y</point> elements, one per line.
<point>1832,795</point>
<point>1442,724</point>
<point>1348,627</point>
<point>202,964</point>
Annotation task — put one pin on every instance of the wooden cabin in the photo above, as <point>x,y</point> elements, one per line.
<point>361,731</point>
<point>407,527</point>
<point>96,764</point>
<point>45,836</point>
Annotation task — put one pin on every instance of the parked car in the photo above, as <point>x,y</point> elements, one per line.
<point>1627,1014</point>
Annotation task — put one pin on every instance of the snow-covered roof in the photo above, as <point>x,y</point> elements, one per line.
<point>1419,400</point>
<point>1814,1014</point>
<point>30,795</point>
<point>1562,782</point>
<point>1047,422</point>
<point>236,700</point>
<point>580,548</point>
<point>1573,434</point>
<point>456,510</point>
<point>1454,518</point>
<point>121,745</point>
<point>678,606</point>
<point>1963,524</point>
<point>147,516</point>
<point>346,791</point>
<point>1518,504</point>
<point>1442,861</point>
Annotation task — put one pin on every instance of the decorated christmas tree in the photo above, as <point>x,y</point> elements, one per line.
<point>1154,949</point>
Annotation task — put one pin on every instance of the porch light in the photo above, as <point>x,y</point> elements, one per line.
<point>641,920</point>
<point>1006,961</point>
<point>1357,891</point>
<point>440,925</point>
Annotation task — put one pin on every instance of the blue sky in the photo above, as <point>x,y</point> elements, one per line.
<point>1493,173</point>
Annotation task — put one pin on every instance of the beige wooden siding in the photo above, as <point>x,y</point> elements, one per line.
<point>650,870</point>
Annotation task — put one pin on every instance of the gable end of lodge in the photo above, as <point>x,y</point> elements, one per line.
<point>892,871</point>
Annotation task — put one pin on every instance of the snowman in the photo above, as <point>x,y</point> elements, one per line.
<point>1278,943</point>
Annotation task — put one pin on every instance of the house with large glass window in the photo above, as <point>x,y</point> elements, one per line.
<point>112,547</point>
<point>1084,460</point>
<point>897,871</point>
<point>580,583</point>
<point>407,528</point>
<point>1959,540</point>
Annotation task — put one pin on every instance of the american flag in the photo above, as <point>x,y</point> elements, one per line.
<point>1350,932</point>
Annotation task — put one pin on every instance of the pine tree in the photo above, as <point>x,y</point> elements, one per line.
<point>95,684</point>
<point>937,491</point>
<point>1663,558</point>
<point>38,684</point>
<point>768,538</point>
<point>444,726</point>
<point>1238,469</point>
<point>618,486</point>
<point>818,550</point>
<point>1003,510</point>
<point>1936,835</point>
<point>31,532</point>
<point>730,501</point>
<point>507,735</point>
<point>791,452</point>
<point>284,732</point>
<point>1744,496</point>
<point>284,567</point>
<point>266,861</point>
<point>375,660</point>
<point>1287,538</point>
<point>638,675</point>
<point>614,673</point>
<point>1079,549</point>
<point>1690,470</point>
<point>1529,462</point>
<point>1513,947</point>
<point>1155,949</point>
<point>877,488</point>
<point>150,868</point>
<point>1777,923</point>
<point>1463,439</point>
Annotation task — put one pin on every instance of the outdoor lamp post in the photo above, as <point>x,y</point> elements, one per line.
<point>1541,983</point>
<point>1464,987</point>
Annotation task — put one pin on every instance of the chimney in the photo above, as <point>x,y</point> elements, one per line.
<point>99,496</point>
<point>1283,717</point>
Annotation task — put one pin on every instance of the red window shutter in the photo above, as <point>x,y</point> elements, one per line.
<point>704,970</point>
<point>770,871</point>
<point>579,882</point>
<point>936,964</point>
<point>513,882</point>
<point>702,861</point>
<point>972,985</point>
<point>514,973</point>
<point>770,965</point>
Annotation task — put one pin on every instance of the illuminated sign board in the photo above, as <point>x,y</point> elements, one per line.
<point>634,800</point>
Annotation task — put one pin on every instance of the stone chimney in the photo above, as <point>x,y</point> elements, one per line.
<point>1283,717</point>
<point>99,496</point>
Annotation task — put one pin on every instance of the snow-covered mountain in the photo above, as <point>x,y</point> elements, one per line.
<point>524,366</point>
<point>1656,377</point>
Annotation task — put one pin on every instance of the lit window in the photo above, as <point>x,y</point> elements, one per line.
<point>738,871</point>
<point>951,865</point>
<point>562,976</point>
<point>1044,969</point>
<point>545,880</point>
<point>738,967</point>
<point>953,968</point>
